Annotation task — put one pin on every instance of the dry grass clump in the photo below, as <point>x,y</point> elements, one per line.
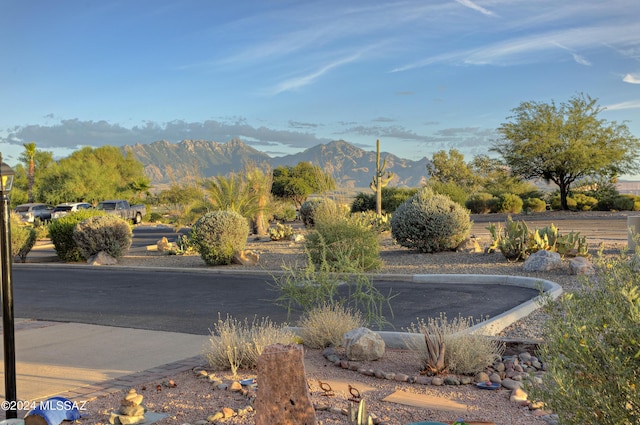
<point>465,353</point>
<point>324,326</point>
<point>237,344</point>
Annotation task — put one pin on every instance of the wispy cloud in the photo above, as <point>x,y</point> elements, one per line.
<point>521,50</point>
<point>631,104</point>
<point>632,78</point>
<point>581,59</point>
<point>298,82</point>
<point>474,6</point>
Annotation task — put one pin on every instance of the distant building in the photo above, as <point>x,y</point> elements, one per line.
<point>630,187</point>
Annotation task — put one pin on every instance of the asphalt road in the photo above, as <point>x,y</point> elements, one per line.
<point>189,302</point>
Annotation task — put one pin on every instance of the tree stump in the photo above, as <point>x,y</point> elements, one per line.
<point>283,395</point>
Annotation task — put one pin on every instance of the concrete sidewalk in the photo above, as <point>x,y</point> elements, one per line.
<point>82,362</point>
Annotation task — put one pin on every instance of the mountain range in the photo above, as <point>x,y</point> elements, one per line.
<point>351,167</point>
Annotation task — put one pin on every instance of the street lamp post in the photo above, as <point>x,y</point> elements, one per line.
<point>6,183</point>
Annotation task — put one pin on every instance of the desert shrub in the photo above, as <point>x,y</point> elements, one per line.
<point>235,344</point>
<point>430,222</point>
<point>463,352</point>
<point>41,228</point>
<point>592,348</point>
<point>325,325</point>
<point>508,203</point>
<point>308,210</point>
<point>393,197</point>
<point>23,238</point>
<point>61,233</point>
<point>454,191</point>
<point>280,232</point>
<point>479,203</point>
<point>534,205</point>
<point>615,203</point>
<point>155,217</point>
<point>107,233</point>
<point>363,202</point>
<point>304,289</point>
<point>283,211</point>
<point>555,202</point>
<point>344,244</point>
<point>584,202</point>
<point>218,235</point>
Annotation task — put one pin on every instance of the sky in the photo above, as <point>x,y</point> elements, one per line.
<point>421,76</point>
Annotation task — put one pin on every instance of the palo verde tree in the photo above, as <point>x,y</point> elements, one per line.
<point>380,180</point>
<point>564,143</point>
<point>298,182</point>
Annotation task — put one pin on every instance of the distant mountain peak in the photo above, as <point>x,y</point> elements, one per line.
<point>350,165</point>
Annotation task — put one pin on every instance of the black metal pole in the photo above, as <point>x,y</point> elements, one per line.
<point>8,335</point>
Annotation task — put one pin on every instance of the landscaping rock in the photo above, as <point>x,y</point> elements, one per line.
<point>580,266</point>
<point>363,344</point>
<point>102,259</point>
<point>542,261</point>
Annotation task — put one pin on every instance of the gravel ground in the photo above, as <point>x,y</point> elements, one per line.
<point>194,399</point>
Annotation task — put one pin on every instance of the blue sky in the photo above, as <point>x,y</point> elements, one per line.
<point>283,76</point>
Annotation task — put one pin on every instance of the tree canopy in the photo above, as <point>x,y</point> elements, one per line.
<point>564,143</point>
<point>92,175</point>
<point>298,182</point>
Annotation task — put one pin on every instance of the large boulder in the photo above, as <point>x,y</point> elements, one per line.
<point>363,344</point>
<point>580,265</point>
<point>542,261</point>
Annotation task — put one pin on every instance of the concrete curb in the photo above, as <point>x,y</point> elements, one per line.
<point>490,327</point>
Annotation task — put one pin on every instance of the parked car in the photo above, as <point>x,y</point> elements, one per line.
<point>63,209</point>
<point>29,212</point>
<point>121,208</point>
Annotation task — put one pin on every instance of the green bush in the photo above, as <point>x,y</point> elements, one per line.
<point>454,191</point>
<point>430,223</point>
<point>325,325</point>
<point>237,345</point>
<point>508,203</point>
<point>592,348</point>
<point>584,202</point>
<point>308,209</point>
<point>616,203</point>
<point>23,238</point>
<point>363,202</point>
<point>155,217</point>
<point>555,202</point>
<point>345,245</point>
<point>61,233</point>
<point>479,203</point>
<point>392,197</point>
<point>107,233</point>
<point>283,212</point>
<point>534,205</point>
<point>218,235</point>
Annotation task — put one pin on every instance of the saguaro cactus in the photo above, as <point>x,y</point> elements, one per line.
<point>379,179</point>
